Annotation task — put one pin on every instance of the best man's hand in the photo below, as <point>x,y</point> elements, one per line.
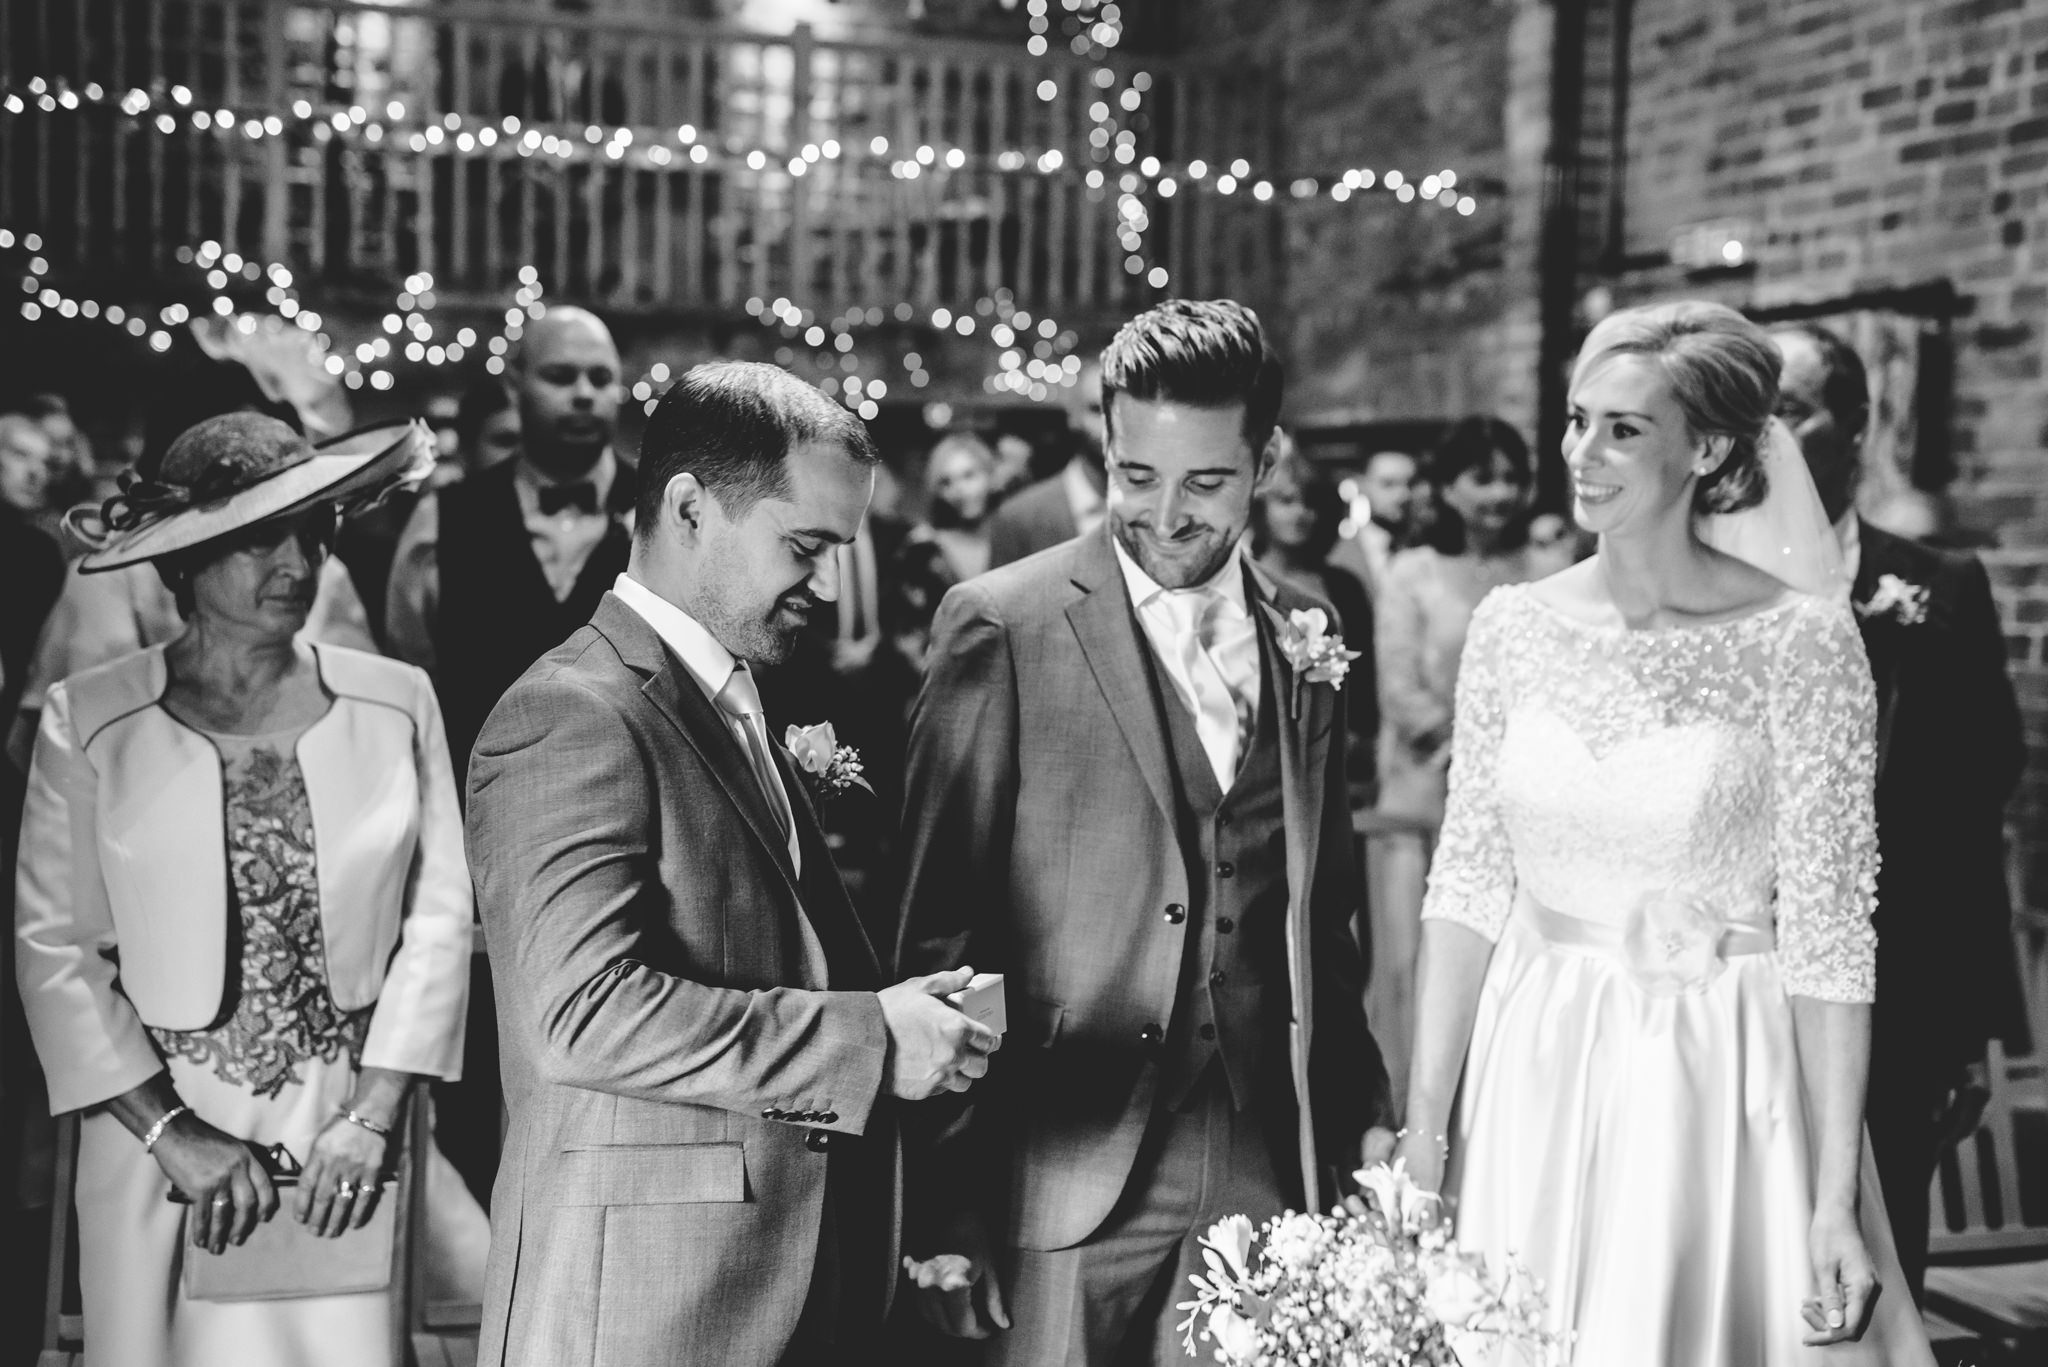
<point>957,1293</point>
<point>933,1046</point>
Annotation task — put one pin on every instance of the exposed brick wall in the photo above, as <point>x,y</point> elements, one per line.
<point>1878,144</point>
<point>1406,310</point>
<point>2020,581</point>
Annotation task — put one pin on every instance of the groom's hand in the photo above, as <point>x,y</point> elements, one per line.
<point>957,1293</point>
<point>933,1046</point>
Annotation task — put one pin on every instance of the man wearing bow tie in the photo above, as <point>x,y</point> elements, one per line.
<point>492,573</point>
<point>1949,752</point>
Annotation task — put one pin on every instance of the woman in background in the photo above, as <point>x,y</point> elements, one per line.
<point>1295,523</point>
<point>960,489</point>
<point>243,915</point>
<point>1480,479</point>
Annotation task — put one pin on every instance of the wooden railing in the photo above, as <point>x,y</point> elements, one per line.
<point>669,167</point>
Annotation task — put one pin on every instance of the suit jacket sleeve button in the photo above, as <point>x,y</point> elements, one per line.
<point>829,1118</point>
<point>1175,913</point>
<point>770,1113</point>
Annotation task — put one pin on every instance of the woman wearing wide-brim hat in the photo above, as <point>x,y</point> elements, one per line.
<point>243,915</point>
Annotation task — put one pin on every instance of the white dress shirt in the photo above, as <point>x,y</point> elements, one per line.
<point>1232,662</point>
<point>710,665</point>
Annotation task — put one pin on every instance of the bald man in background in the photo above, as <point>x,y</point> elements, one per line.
<point>492,573</point>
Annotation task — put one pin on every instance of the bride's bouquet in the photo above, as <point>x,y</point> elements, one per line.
<point>1379,1285</point>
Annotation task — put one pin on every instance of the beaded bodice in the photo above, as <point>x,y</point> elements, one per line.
<point>1732,763</point>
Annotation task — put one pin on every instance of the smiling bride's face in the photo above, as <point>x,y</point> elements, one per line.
<point>1633,457</point>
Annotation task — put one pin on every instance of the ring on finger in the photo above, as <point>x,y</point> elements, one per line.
<point>345,1189</point>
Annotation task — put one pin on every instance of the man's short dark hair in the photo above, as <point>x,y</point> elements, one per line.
<point>732,424</point>
<point>1205,353</point>
<point>1846,387</point>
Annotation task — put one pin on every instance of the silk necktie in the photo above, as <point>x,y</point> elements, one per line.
<point>742,700</point>
<point>1219,652</point>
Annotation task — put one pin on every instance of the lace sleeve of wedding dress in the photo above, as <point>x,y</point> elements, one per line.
<point>1823,712</point>
<point>1472,877</point>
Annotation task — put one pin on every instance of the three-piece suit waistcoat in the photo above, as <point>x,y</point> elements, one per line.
<point>1230,1007</point>
<point>496,613</point>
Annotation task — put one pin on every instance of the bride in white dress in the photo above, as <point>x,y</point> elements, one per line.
<point>1647,959</point>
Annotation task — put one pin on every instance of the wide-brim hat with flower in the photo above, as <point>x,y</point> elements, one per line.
<point>238,469</point>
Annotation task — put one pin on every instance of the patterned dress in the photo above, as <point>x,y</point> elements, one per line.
<point>275,1068</point>
<point>1667,835</point>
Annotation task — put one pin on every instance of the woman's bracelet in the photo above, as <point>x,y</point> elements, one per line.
<point>354,1118</point>
<point>163,1122</point>
<point>1443,1141</point>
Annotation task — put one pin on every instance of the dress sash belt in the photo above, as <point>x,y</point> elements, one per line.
<point>1601,937</point>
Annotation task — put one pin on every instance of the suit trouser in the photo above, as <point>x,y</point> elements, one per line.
<point>1110,1300</point>
<point>1904,1115</point>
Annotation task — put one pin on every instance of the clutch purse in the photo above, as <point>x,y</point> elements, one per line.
<point>284,1260</point>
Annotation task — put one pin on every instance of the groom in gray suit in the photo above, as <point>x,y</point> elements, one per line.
<point>1123,796</point>
<point>699,1054</point>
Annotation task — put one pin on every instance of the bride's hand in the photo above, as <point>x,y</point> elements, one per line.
<point>1845,1275</point>
<point>1424,1158</point>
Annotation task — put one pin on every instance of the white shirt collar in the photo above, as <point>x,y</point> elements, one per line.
<point>1228,580</point>
<point>709,663</point>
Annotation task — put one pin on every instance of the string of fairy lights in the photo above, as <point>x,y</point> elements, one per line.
<point>407,331</point>
<point>1034,355</point>
<point>173,108</point>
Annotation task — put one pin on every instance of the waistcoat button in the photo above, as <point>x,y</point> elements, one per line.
<point>1226,869</point>
<point>1175,913</point>
<point>1224,925</point>
<point>1152,1035</point>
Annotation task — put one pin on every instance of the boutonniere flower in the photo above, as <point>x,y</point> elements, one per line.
<point>1312,653</point>
<point>1895,598</point>
<point>827,766</point>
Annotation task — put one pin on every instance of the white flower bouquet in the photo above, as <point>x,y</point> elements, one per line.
<point>1377,1286</point>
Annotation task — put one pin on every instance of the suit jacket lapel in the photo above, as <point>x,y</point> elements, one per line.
<point>1103,622</point>
<point>827,912</point>
<point>1880,635</point>
<point>676,696</point>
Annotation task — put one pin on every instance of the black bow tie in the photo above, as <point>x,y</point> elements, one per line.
<point>581,496</point>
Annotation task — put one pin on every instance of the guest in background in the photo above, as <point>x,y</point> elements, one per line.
<point>1068,505</point>
<point>486,425</point>
<point>1555,544</point>
<point>959,482</point>
<point>1387,487</point>
<point>69,459</point>
<point>493,572</point>
<point>1949,753</point>
<point>1013,463</point>
<point>1481,476</point>
<point>25,463</point>
<point>485,432</point>
<point>1294,528</point>
<point>205,972</point>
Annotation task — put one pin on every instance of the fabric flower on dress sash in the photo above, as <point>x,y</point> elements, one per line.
<point>1672,944</point>
<point>827,766</point>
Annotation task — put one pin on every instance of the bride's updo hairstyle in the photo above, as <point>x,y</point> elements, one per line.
<point>1723,373</point>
